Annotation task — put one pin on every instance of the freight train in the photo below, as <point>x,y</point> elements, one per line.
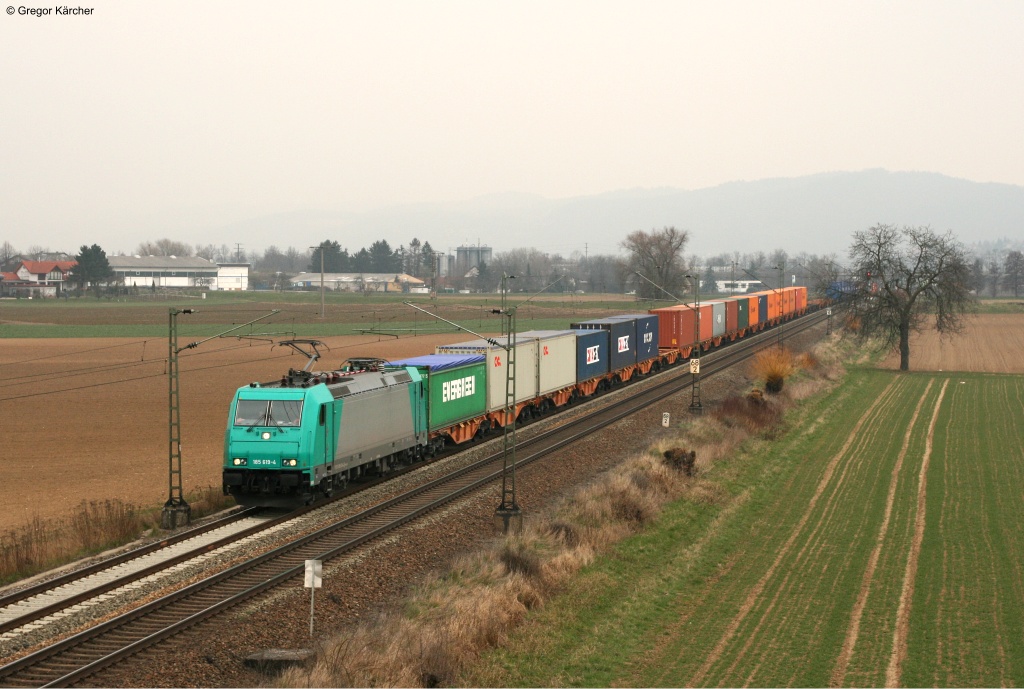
<point>309,434</point>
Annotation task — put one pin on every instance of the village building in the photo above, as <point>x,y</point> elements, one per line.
<point>52,278</point>
<point>36,279</point>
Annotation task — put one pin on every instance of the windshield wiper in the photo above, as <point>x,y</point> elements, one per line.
<point>256,423</point>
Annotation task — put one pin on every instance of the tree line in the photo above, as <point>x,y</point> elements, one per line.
<point>654,265</point>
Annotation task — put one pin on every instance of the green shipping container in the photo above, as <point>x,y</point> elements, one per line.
<point>743,313</point>
<point>456,387</point>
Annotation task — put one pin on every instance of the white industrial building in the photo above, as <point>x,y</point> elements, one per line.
<point>179,272</point>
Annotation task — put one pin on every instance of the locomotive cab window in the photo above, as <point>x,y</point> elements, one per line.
<point>251,412</point>
<point>286,413</point>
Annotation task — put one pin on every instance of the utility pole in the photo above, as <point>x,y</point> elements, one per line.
<point>508,512</point>
<point>176,510</point>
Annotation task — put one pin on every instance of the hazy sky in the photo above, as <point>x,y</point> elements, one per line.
<point>160,119</point>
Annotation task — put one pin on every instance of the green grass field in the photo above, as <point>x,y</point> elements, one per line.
<point>878,543</point>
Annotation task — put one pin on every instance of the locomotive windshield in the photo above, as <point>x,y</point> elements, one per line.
<point>268,413</point>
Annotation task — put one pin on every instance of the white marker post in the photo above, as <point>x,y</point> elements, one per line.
<point>694,366</point>
<point>314,580</point>
<point>664,419</point>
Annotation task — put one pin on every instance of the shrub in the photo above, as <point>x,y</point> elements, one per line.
<point>774,366</point>
<point>753,412</point>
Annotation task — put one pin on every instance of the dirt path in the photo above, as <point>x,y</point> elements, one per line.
<point>899,640</point>
<point>757,591</point>
<point>853,631</point>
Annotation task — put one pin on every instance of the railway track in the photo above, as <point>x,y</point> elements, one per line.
<point>85,654</point>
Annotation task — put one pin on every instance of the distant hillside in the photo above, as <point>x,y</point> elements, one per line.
<point>817,213</point>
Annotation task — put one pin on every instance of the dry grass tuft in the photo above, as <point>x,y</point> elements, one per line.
<point>773,366</point>
<point>565,533</point>
<point>808,361</point>
<point>95,526</point>
<point>519,558</point>
<point>46,543</point>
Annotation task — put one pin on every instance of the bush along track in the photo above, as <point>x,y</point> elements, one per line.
<point>875,543</point>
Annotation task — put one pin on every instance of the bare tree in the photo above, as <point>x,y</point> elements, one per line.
<point>908,276</point>
<point>993,276</point>
<point>1013,272</point>
<point>658,256</point>
<point>7,252</point>
<point>164,247</point>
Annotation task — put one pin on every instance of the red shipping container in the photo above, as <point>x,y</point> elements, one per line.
<point>675,327</point>
<point>732,310</point>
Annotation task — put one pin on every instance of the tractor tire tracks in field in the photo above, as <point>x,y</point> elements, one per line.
<point>899,640</point>
<point>755,593</point>
<point>853,631</point>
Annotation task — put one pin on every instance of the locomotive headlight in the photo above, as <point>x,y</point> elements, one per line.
<point>290,462</point>
<point>239,461</point>
<point>266,435</point>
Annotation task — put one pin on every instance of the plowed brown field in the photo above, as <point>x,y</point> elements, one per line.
<point>992,343</point>
<point>87,419</point>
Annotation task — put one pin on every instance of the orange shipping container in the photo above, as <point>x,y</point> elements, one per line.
<point>753,309</point>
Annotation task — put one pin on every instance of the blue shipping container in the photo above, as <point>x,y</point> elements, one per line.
<point>762,308</point>
<point>591,354</point>
<point>646,334</point>
<point>622,338</point>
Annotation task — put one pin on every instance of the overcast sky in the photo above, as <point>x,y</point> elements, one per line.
<point>154,119</point>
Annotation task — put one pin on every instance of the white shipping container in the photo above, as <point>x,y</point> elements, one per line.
<point>526,375</point>
<point>556,352</point>
<point>718,316</point>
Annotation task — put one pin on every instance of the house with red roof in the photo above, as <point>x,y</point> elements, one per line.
<point>37,278</point>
